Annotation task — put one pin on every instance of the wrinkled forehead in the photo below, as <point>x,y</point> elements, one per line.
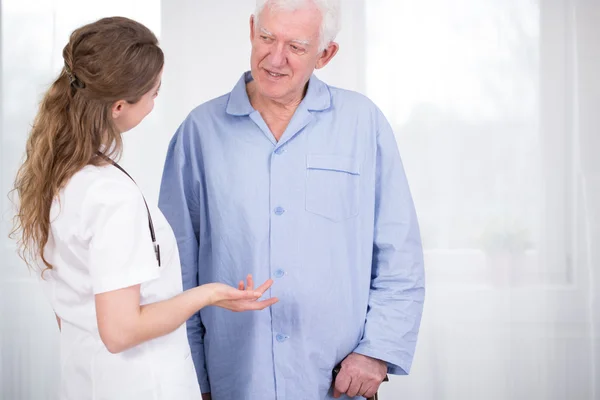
<point>305,42</point>
<point>302,24</point>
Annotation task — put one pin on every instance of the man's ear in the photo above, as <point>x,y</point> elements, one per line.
<point>251,28</point>
<point>327,55</point>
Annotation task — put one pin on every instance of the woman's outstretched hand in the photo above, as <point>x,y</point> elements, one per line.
<point>244,298</point>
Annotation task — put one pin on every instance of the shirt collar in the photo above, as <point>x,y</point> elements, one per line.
<point>318,96</point>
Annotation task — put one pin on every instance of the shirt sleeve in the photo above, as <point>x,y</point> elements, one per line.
<point>397,275</point>
<point>121,253</point>
<point>179,203</point>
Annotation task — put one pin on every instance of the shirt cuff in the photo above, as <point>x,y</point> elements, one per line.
<point>201,374</point>
<point>394,366</point>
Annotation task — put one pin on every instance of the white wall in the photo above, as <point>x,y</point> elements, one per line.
<point>587,16</point>
<point>479,339</point>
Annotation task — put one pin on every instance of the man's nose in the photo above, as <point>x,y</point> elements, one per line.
<point>278,58</point>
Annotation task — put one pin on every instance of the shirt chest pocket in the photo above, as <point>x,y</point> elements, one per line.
<point>332,186</point>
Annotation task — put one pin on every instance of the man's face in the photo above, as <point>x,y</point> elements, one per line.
<point>285,51</point>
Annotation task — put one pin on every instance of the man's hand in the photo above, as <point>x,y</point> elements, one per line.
<point>206,396</point>
<point>359,376</point>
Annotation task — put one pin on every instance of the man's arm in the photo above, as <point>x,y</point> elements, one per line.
<point>179,202</point>
<point>397,276</point>
<point>397,280</point>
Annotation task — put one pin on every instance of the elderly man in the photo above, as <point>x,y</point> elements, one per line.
<point>291,179</point>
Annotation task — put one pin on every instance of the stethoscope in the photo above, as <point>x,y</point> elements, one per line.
<point>150,224</point>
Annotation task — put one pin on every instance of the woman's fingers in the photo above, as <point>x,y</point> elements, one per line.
<point>250,285</point>
<point>257,305</point>
<point>266,303</point>
<point>249,295</point>
<point>250,282</point>
<point>236,294</point>
<point>265,286</point>
<point>245,297</point>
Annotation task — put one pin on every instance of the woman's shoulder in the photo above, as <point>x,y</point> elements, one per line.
<point>92,194</point>
<point>100,179</point>
<point>99,186</point>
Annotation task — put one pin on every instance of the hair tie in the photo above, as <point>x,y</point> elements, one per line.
<point>73,80</point>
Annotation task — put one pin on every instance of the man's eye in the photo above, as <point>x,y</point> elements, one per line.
<point>297,49</point>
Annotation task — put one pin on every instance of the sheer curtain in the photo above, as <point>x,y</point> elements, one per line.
<point>483,97</point>
<point>494,105</point>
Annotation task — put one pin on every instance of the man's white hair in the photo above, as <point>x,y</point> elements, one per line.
<point>330,11</point>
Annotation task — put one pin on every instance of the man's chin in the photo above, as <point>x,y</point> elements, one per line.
<point>271,91</point>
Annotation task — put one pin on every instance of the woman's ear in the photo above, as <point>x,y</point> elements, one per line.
<point>117,108</point>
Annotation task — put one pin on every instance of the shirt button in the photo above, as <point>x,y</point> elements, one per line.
<point>279,151</point>
<point>279,211</point>
<point>281,338</point>
<point>279,273</point>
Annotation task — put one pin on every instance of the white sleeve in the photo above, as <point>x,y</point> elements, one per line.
<point>121,253</point>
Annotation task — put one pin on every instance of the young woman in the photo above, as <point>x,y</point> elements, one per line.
<point>109,261</point>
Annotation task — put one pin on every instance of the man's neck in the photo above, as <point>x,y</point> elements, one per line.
<point>276,114</point>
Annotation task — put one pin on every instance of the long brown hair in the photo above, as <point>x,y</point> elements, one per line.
<point>106,61</point>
